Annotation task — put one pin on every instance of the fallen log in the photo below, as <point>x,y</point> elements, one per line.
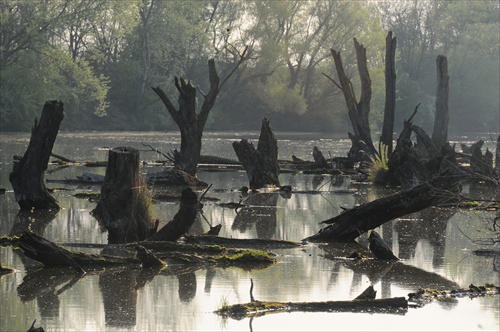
<point>353,222</point>
<point>263,244</point>
<point>397,305</point>
<point>426,295</point>
<point>53,255</point>
<point>174,177</point>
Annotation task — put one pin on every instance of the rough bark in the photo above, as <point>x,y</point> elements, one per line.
<point>183,220</point>
<point>124,208</point>
<point>27,177</point>
<point>440,131</point>
<point>261,164</point>
<point>358,111</point>
<point>190,123</point>
<point>356,221</point>
<point>390,92</point>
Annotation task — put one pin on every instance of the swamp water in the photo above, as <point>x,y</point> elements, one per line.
<point>435,245</point>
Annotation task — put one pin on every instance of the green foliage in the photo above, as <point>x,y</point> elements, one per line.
<point>380,164</point>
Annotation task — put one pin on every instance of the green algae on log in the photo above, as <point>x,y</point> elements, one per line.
<point>397,305</point>
<point>53,255</point>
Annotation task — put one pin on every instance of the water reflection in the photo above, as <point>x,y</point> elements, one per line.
<point>259,210</point>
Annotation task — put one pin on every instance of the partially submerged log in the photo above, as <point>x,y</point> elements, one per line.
<point>319,159</point>
<point>397,305</point>
<point>27,177</point>
<point>53,255</point>
<point>262,244</point>
<point>124,207</point>
<point>261,164</point>
<point>352,223</point>
<point>183,220</point>
<point>174,177</point>
<point>426,295</point>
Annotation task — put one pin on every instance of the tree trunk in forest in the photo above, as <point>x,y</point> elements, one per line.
<point>183,220</point>
<point>261,164</point>
<point>124,207</point>
<point>352,223</point>
<point>497,158</point>
<point>390,93</point>
<point>27,177</point>
<point>358,111</point>
<point>440,131</point>
<point>190,123</point>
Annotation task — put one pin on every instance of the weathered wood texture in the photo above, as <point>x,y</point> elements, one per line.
<point>379,248</point>
<point>183,219</point>
<point>190,123</point>
<point>27,177</point>
<point>358,111</point>
<point>353,222</point>
<point>390,92</point>
<point>124,208</point>
<point>261,164</point>
<point>319,159</point>
<point>497,158</point>
<point>174,177</point>
<point>440,131</point>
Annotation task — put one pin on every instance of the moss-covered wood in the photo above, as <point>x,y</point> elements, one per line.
<point>53,255</point>
<point>426,295</point>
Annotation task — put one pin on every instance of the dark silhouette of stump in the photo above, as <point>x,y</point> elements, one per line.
<point>261,164</point>
<point>124,205</point>
<point>27,177</point>
<point>183,219</point>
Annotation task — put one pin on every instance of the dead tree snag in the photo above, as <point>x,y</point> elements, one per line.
<point>390,92</point>
<point>27,177</point>
<point>261,164</point>
<point>190,123</point>
<point>358,111</point>
<point>440,131</point>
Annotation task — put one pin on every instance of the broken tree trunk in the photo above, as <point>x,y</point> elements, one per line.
<point>358,111</point>
<point>27,177</point>
<point>183,220</point>
<point>440,131</point>
<point>261,164</point>
<point>190,123</point>
<point>352,223</point>
<point>319,159</point>
<point>390,92</point>
<point>124,207</point>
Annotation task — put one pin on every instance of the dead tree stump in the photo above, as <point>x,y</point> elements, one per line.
<point>27,177</point>
<point>124,207</point>
<point>261,164</point>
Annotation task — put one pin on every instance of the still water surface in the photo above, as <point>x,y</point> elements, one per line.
<point>434,245</point>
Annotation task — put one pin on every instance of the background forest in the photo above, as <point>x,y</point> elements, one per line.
<point>101,59</point>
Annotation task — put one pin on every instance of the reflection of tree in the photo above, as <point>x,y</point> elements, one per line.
<point>209,279</point>
<point>46,285</point>
<point>260,209</point>
<point>187,286</point>
<point>33,221</point>
<point>431,226</point>
<point>119,295</point>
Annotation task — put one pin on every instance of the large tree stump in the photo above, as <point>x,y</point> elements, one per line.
<point>124,205</point>
<point>261,164</point>
<point>183,219</point>
<point>27,177</point>
<point>352,223</point>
